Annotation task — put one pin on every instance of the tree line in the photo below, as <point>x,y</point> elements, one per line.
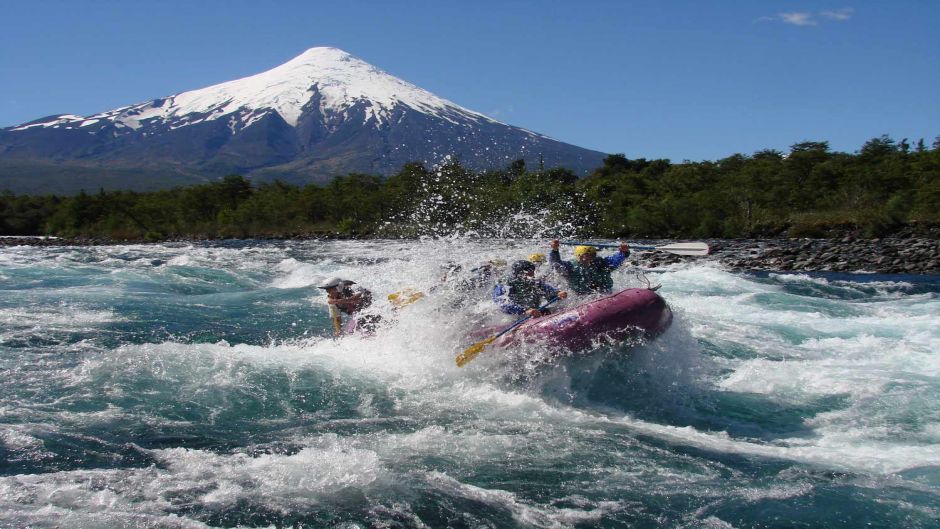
<point>812,191</point>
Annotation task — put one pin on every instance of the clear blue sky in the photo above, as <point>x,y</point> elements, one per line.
<point>696,80</point>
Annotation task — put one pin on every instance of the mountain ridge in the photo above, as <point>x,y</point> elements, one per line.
<point>322,114</point>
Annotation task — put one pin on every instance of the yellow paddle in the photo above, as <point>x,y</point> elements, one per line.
<point>404,297</point>
<point>471,352</point>
<point>337,321</point>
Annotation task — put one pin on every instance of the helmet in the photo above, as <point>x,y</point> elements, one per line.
<point>520,267</point>
<point>335,282</point>
<point>581,250</point>
<point>537,258</point>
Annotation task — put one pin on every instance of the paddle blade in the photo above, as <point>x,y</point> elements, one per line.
<point>471,352</point>
<point>685,248</point>
<point>679,248</point>
<point>405,297</point>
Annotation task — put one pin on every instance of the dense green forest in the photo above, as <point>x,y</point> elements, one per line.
<point>809,191</point>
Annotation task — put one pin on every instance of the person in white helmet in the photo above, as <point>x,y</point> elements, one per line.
<point>344,296</point>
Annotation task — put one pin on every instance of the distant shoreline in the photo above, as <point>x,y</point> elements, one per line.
<point>889,255</point>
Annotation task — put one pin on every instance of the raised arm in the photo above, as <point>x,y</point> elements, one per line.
<point>618,258</point>
<point>554,260</point>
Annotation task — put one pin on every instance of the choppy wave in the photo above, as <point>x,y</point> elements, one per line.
<point>186,385</point>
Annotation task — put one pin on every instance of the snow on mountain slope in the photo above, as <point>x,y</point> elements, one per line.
<point>322,114</point>
<point>339,79</point>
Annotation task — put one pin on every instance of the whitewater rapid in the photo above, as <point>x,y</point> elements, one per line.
<point>196,385</point>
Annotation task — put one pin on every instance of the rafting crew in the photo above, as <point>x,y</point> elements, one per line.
<point>522,292</point>
<point>588,273</point>
<point>347,297</point>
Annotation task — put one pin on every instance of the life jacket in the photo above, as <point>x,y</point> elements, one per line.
<point>525,292</point>
<point>594,277</point>
<point>350,291</point>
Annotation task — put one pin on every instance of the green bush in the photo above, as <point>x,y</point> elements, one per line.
<point>808,192</point>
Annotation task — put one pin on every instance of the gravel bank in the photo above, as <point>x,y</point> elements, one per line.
<point>908,255</point>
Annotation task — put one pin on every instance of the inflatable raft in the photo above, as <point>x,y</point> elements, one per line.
<point>628,314</point>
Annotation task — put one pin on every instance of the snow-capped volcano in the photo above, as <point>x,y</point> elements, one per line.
<point>340,80</point>
<point>322,114</point>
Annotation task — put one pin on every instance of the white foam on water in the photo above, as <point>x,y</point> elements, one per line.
<point>278,481</point>
<point>780,492</point>
<point>855,451</point>
<point>710,522</point>
<point>180,260</point>
<point>710,279</point>
<point>842,453</point>
<point>18,256</point>
<point>416,358</point>
<point>860,358</point>
<point>887,289</point>
<point>19,438</point>
<point>326,466</point>
<point>274,479</point>
<point>56,518</point>
<point>66,316</point>
<point>23,322</point>
<point>294,274</point>
<point>874,362</point>
<point>524,512</point>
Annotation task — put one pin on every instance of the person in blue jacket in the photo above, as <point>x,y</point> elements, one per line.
<point>589,273</point>
<point>522,293</point>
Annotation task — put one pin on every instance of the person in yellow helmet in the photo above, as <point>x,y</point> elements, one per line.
<point>546,274</point>
<point>588,273</point>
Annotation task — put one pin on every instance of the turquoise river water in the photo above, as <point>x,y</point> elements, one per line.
<point>196,385</point>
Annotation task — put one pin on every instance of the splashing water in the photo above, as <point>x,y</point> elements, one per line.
<point>195,386</point>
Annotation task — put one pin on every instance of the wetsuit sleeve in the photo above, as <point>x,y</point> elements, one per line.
<point>550,291</point>
<point>617,259</point>
<point>562,267</point>
<point>501,298</point>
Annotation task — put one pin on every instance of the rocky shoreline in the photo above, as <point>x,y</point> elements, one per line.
<point>907,255</point>
<point>890,255</point>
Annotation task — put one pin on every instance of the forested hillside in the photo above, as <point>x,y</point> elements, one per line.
<point>808,191</point>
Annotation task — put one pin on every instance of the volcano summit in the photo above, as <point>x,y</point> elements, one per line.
<point>320,115</point>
